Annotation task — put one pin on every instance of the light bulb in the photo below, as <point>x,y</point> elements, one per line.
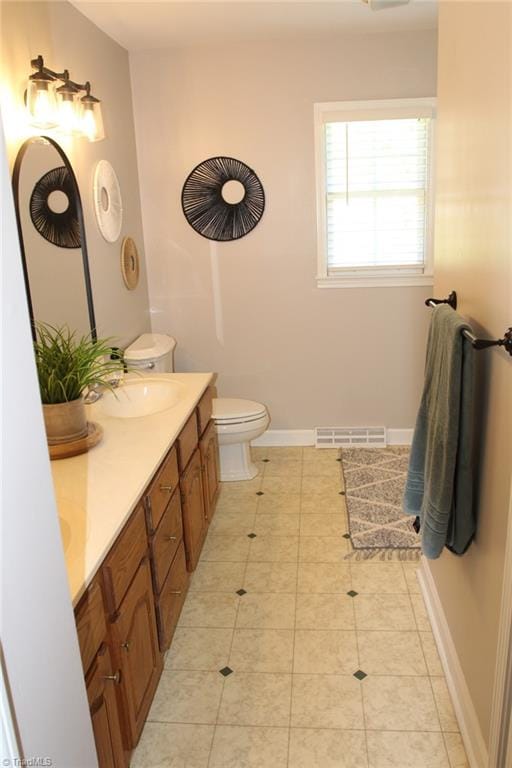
<point>91,120</point>
<point>41,104</point>
<point>67,117</point>
<point>89,124</point>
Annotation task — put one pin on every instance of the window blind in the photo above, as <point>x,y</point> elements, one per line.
<point>377,179</point>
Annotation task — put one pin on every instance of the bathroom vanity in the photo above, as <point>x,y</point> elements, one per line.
<point>134,515</point>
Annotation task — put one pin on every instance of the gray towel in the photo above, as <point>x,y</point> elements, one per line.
<point>439,481</point>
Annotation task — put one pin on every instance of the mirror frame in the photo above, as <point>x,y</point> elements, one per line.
<point>80,214</point>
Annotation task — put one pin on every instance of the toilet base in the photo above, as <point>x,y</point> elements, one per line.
<point>236,462</point>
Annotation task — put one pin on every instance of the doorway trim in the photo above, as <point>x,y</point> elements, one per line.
<point>500,736</point>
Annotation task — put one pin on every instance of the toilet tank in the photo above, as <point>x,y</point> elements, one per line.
<point>151,353</point>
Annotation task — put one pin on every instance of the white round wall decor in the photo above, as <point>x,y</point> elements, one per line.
<point>108,205</point>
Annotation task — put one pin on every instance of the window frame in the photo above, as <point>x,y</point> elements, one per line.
<point>381,109</point>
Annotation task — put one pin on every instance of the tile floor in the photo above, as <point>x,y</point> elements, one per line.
<point>289,656</point>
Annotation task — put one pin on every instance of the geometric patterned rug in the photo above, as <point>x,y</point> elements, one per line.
<point>374,488</point>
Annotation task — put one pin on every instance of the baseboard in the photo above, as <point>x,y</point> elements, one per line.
<point>470,731</point>
<point>399,436</point>
<point>307,437</point>
<point>285,437</point>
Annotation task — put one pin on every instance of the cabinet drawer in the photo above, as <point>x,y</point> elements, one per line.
<point>187,442</point>
<point>204,410</point>
<point>123,560</point>
<point>166,541</point>
<point>172,597</point>
<point>161,489</point>
<point>90,623</point>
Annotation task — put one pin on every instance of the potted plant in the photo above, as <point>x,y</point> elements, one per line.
<point>66,366</point>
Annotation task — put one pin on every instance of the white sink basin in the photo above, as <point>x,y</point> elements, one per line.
<point>141,397</point>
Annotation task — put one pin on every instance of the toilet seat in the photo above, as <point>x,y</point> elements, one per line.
<point>230,410</point>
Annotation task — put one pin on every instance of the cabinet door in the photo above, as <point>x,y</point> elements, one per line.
<point>101,682</point>
<point>204,410</point>
<point>192,507</point>
<point>136,645</point>
<point>209,447</point>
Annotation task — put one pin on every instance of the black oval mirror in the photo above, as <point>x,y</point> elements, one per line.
<point>51,230</point>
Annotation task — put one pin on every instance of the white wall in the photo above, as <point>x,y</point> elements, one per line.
<point>473,255</point>
<point>38,632</point>
<point>66,39</point>
<point>250,309</point>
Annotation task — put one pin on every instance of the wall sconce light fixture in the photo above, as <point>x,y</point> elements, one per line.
<point>62,107</point>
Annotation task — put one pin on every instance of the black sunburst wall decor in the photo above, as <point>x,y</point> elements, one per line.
<point>60,228</point>
<point>208,212</point>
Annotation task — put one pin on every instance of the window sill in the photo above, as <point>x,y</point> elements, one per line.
<point>375,281</point>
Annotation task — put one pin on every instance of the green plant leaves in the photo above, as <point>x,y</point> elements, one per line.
<point>66,366</point>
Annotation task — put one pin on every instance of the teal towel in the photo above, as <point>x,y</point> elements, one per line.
<point>439,481</point>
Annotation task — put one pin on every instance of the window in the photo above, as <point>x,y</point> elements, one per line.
<point>374,192</point>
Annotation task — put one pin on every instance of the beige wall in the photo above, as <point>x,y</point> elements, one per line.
<point>473,255</point>
<point>250,309</point>
<point>66,39</point>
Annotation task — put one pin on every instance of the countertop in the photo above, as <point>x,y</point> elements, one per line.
<point>97,491</point>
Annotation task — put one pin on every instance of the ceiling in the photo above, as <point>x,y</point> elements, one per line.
<point>140,26</point>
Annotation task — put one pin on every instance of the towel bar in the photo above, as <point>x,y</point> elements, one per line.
<point>506,341</point>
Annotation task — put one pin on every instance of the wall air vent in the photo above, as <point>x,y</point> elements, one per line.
<point>350,437</point>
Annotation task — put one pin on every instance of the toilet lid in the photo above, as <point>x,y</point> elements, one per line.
<point>227,408</point>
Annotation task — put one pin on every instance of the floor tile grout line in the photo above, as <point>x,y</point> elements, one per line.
<point>305,674</point>
<point>302,727</point>
<point>361,692</point>
<point>296,593</point>
<point>229,657</point>
<point>294,632</point>
<point>348,675</point>
<point>429,679</point>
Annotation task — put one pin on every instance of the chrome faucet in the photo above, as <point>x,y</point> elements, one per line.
<point>96,391</point>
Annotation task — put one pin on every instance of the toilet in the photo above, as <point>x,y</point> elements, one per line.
<point>151,353</point>
<point>237,421</point>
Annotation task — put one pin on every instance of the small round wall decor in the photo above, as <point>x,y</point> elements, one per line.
<point>130,263</point>
<point>108,204</point>
<point>53,209</point>
<point>222,199</point>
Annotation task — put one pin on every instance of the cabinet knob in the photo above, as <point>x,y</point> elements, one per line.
<point>171,538</point>
<point>175,592</point>
<point>115,678</point>
<point>168,488</point>
<point>126,645</point>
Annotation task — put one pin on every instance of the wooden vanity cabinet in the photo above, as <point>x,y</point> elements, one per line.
<point>169,570</point>
<point>195,521</point>
<point>204,410</point>
<point>136,651</point>
<point>130,604</point>
<point>170,600</point>
<point>209,450</point>
<point>100,682</point>
<point>165,542</point>
<point>161,488</point>
<point>128,615</point>
<point>102,677</point>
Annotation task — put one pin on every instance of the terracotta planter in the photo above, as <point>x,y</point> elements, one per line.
<point>65,422</point>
